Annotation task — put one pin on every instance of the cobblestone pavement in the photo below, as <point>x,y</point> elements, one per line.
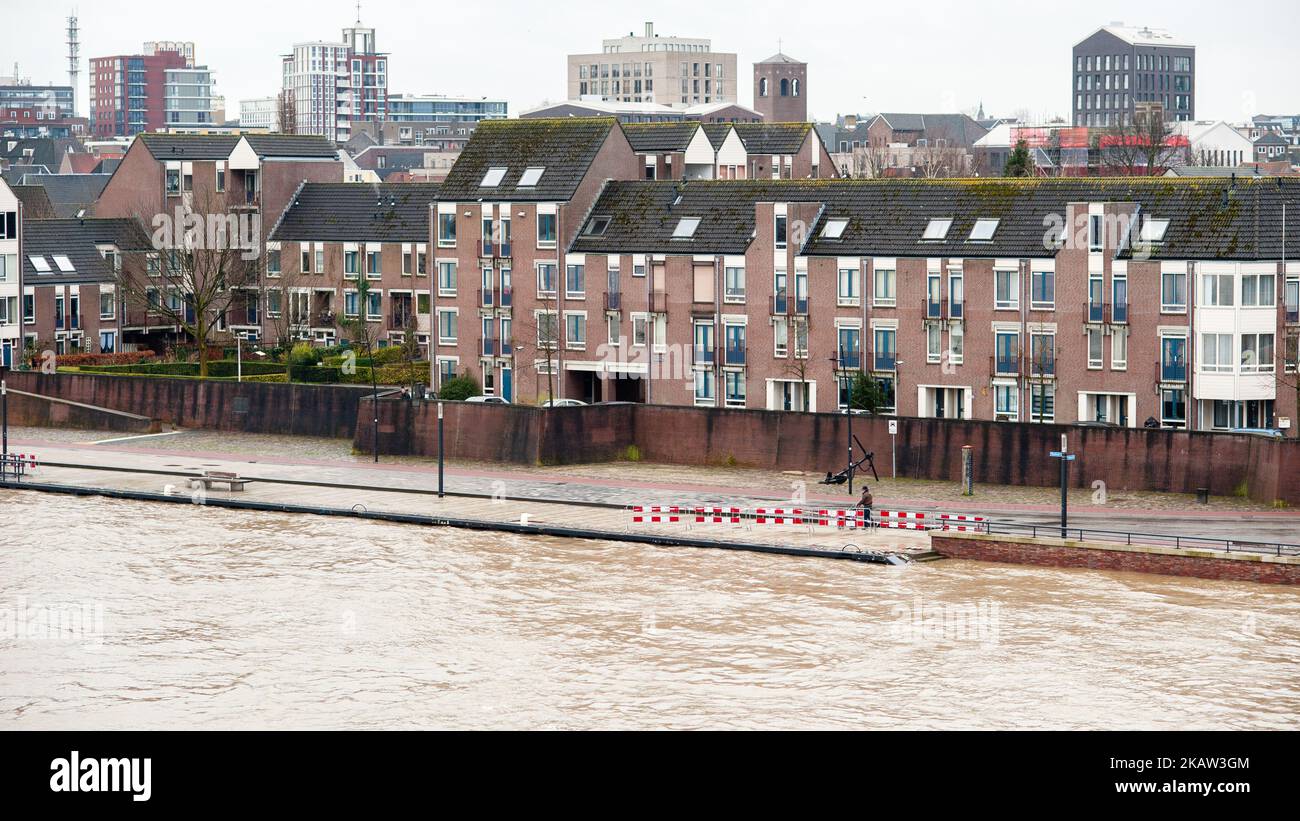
<point>628,483</point>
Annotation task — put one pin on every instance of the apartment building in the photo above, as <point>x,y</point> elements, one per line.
<point>1055,300</point>
<point>678,72</point>
<point>513,202</point>
<point>1120,69</point>
<point>10,274</point>
<point>128,92</point>
<point>328,84</point>
<point>28,110</point>
<point>70,299</point>
<point>251,178</point>
<point>331,239</point>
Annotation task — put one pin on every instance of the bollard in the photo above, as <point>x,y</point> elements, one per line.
<point>967,471</point>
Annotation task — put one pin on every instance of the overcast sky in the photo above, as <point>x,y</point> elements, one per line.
<point>943,55</point>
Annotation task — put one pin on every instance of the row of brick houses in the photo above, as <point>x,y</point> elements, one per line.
<point>547,263</point>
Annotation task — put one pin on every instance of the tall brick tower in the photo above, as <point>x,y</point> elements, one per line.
<point>781,89</point>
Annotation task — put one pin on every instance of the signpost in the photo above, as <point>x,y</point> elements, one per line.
<point>1066,457</point>
<point>4,414</point>
<point>440,491</point>
<point>893,448</point>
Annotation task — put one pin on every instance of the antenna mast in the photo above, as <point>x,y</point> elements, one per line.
<point>74,58</point>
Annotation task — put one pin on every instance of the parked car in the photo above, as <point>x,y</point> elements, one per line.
<point>1271,433</point>
<point>563,403</point>
<point>488,400</point>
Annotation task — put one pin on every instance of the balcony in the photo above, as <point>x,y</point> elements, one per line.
<point>487,347</point>
<point>1172,371</point>
<point>1094,312</point>
<point>401,320</point>
<point>932,308</point>
<point>1043,368</point>
<point>1291,313</point>
<point>705,356</point>
<point>487,249</point>
<point>1118,313</point>
<point>613,301</point>
<point>505,295</point>
<point>323,319</point>
<point>487,297</point>
<point>779,304</point>
<point>659,302</point>
<point>734,355</point>
<point>507,347</point>
<point>849,360</point>
<point>1004,365</point>
<point>884,361</point>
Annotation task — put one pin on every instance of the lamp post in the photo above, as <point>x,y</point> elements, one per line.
<point>4,414</point>
<point>848,409</point>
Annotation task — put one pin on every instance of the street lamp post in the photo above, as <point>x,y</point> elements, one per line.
<point>848,410</point>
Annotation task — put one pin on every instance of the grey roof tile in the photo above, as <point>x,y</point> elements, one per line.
<point>655,137</point>
<point>564,147</point>
<point>76,239</point>
<point>358,212</point>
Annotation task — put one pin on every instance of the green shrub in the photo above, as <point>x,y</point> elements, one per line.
<point>459,388</point>
<point>304,354</point>
<point>315,374</point>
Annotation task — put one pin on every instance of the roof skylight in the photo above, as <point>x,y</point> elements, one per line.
<point>937,229</point>
<point>834,229</point>
<point>39,263</point>
<point>64,263</point>
<point>597,226</point>
<point>686,227</point>
<point>493,177</point>
<point>1153,230</point>
<point>531,176</point>
<point>984,229</point>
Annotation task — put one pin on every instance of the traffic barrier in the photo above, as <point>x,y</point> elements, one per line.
<point>717,515</point>
<point>778,516</point>
<point>840,518</point>
<point>658,514</point>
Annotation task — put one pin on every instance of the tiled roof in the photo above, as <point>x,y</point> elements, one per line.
<point>1209,218</point>
<point>358,212</point>
<point>291,145</point>
<point>564,147</point>
<point>773,138</point>
<point>717,133</point>
<point>188,146</point>
<point>70,194</point>
<point>779,58</point>
<point>36,202</point>
<point>957,129</point>
<point>76,239</point>
<point>655,137</point>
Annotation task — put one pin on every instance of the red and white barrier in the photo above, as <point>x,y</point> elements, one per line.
<point>842,518</point>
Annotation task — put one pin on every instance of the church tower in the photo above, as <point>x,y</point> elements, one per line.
<point>781,89</point>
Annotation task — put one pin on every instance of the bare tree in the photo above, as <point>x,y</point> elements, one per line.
<point>870,161</point>
<point>195,272</point>
<point>939,157</point>
<point>541,336</point>
<point>1145,147</point>
<point>286,113</point>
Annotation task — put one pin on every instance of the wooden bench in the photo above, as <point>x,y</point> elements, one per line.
<point>219,477</point>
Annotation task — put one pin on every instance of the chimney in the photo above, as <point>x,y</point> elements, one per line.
<point>649,30</point>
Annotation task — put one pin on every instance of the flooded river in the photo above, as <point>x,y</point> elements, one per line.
<point>119,614</point>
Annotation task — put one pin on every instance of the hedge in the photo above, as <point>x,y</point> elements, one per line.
<point>78,360</point>
<point>219,368</point>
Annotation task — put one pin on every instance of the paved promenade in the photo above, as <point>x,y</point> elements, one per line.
<point>626,483</point>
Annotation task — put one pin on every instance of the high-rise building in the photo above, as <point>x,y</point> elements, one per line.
<point>329,84</point>
<point>128,92</point>
<point>1120,69</point>
<point>780,89</point>
<point>673,71</point>
<point>260,112</point>
<point>187,97</point>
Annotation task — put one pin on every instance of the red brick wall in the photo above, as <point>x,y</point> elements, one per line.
<point>1053,553</point>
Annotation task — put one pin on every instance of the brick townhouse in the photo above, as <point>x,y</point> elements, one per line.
<point>11,207</point>
<point>514,200</point>
<point>70,299</point>
<point>251,177</point>
<point>1059,300</point>
<point>694,151</point>
<point>333,237</point>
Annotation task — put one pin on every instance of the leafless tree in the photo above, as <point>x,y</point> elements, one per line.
<point>286,113</point>
<point>939,157</point>
<point>195,272</point>
<point>1145,147</point>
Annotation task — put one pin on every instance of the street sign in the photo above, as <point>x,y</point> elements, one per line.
<point>1058,455</point>
<point>893,427</point>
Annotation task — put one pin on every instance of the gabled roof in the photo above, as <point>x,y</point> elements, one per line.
<point>358,212</point>
<point>70,194</point>
<point>14,174</point>
<point>1209,218</point>
<point>46,151</point>
<point>77,240</point>
<point>657,137</point>
<point>188,147</point>
<point>36,203</point>
<point>772,138</point>
<point>958,129</point>
<point>564,147</point>
<point>291,145</point>
<point>717,133</point>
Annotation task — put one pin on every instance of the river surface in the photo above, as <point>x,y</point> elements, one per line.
<point>117,614</point>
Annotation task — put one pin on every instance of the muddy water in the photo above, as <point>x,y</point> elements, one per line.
<point>128,615</point>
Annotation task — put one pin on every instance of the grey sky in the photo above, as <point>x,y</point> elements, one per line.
<point>866,57</point>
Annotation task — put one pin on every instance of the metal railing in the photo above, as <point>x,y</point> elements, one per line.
<point>1176,541</point>
<point>613,301</point>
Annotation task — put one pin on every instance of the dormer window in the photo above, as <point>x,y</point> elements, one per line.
<point>936,230</point>
<point>1153,230</point>
<point>531,177</point>
<point>39,263</point>
<point>597,226</point>
<point>983,230</point>
<point>493,177</point>
<point>834,229</point>
<point>65,264</point>
<point>686,227</point>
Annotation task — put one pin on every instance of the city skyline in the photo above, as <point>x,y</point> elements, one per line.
<point>1241,66</point>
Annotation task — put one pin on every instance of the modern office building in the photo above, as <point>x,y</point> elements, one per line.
<point>1119,69</point>
<point>674,71</point>
<point>187,98</point>
<point>260,112</point>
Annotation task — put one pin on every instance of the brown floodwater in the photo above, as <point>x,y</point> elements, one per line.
<point>118,614</point>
